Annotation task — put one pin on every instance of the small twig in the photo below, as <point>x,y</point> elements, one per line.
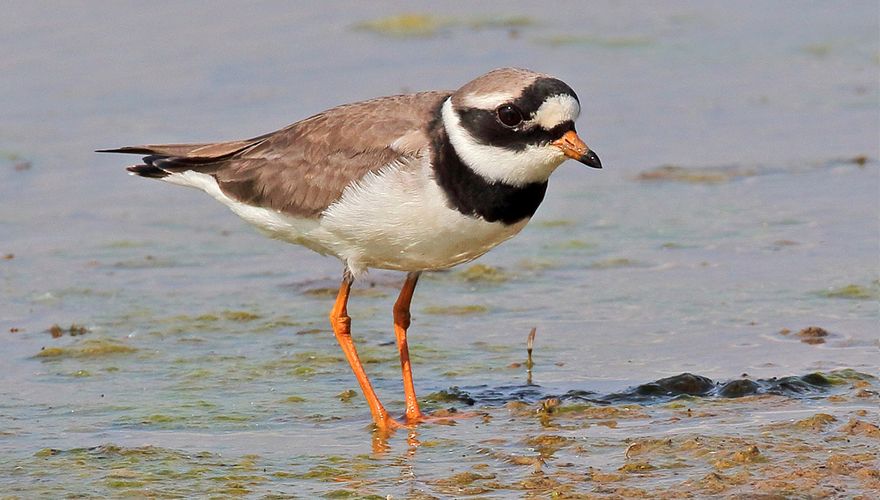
<point>530,342</point>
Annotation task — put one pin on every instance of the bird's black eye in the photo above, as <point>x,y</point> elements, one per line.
<point>510,115</point>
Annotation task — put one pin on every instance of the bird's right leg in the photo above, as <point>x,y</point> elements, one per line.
<point>341,323</point>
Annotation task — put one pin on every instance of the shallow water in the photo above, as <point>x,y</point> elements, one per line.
<point>207,365</point>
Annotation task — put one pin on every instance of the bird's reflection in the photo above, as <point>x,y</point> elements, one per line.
<point>381,437</point>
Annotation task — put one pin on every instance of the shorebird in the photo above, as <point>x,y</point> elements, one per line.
<point>412,183</point>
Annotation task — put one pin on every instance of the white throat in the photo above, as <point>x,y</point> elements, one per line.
<point>496,164</point>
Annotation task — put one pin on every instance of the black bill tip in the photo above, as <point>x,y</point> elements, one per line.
<point>591,160</point>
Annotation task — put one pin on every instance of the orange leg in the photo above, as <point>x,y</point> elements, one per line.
<point>341,323</point>
<point>401,323</point>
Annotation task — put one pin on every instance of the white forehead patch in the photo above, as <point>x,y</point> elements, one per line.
<point>555,110</point>
<point>486,101</point>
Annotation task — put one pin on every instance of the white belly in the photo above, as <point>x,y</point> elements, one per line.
<point>396,219</point>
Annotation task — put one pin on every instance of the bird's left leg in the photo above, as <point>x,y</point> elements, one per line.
<point>401,323</point>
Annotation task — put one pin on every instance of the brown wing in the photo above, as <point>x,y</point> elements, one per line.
<point>303,168</point>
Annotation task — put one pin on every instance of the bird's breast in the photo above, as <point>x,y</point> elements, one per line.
<point>400,218</point>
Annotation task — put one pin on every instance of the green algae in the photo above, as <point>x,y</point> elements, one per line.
<point>314,358</point>
<point>233,418</point>
<point>632,42</point>
<point>553,408</point>
<point>572,245</point>
<point>672,245</point>
<point>456,310</point>
<point>849,375</point>
<point>10,155</point>
<point>159,419</point>
<point>352,494</point>
<point>303,371</point>
<point>347,395</point>
<point>90,348</point>
<point>616,263</point>
<point>423,25</point>
<point>481,273</point>
<point>241,316</point>
<point>452,395</point>
<point>123,483</point>
<point>537,264</point>
<point>553,223</point>
<point>198,373</point>
<point>853,291</point>
<point>818,50</point>
<point>278,323</point>
<point>509,22</point>
<point>223,321</point>
<point>120,244</point>
<point>330,292</point>
<point>548,444</point>
<point>200,405</point>
<point>821,379</point>
<point>412,25</point>
<point>636,467</point>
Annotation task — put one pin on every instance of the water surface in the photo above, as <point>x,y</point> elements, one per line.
<point>206,363</point>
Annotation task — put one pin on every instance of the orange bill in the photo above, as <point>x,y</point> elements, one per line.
<point>575,148</point>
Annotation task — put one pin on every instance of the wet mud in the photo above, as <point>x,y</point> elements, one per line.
<point>814,435</point>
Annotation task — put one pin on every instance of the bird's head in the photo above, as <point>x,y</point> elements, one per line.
<point>515,126</point>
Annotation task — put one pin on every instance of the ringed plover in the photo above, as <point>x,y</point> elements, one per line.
<point>412,183</point>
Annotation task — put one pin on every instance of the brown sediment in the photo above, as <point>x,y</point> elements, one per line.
<point>858,427</point>
<point>860,160</point>
<point>73,330</point>
<point>697,175</point>
<point>817,422</point>
<point>548,444</point>
<point>813,335</point>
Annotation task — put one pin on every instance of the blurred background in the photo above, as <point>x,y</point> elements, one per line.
<point>738,206</point>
